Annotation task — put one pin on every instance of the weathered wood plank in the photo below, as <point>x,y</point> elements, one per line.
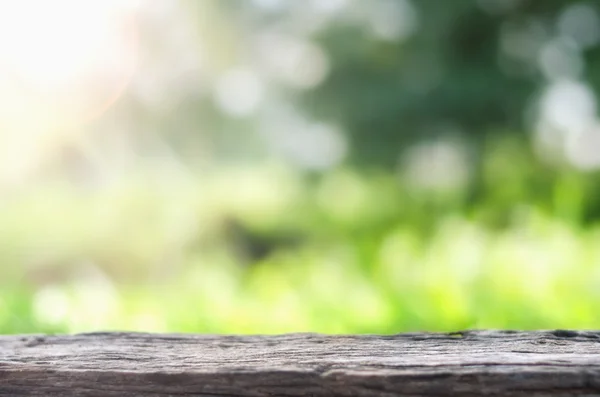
<point>473,363</point>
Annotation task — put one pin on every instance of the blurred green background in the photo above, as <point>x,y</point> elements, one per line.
<point>268,166</point>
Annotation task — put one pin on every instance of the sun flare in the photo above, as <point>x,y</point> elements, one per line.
<point>62,62</point>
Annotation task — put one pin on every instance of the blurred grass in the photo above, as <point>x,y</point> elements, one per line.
<point>373,253</point>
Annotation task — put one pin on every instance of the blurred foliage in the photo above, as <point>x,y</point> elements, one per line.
<point>461,70</point>
<point>351,251</point>
<point>443,214</point>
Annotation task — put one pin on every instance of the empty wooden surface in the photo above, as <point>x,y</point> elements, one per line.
<point>474,363</point>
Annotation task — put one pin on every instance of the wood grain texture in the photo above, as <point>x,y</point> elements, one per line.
<point>471,363</point>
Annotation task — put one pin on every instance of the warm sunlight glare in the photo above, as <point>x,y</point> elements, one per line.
<point>62,62</point>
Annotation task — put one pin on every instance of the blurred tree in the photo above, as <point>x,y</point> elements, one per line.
<point>392,93</point>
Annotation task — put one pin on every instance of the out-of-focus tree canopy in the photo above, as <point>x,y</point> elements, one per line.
<point>282,165</point>
<point>394,72</point>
